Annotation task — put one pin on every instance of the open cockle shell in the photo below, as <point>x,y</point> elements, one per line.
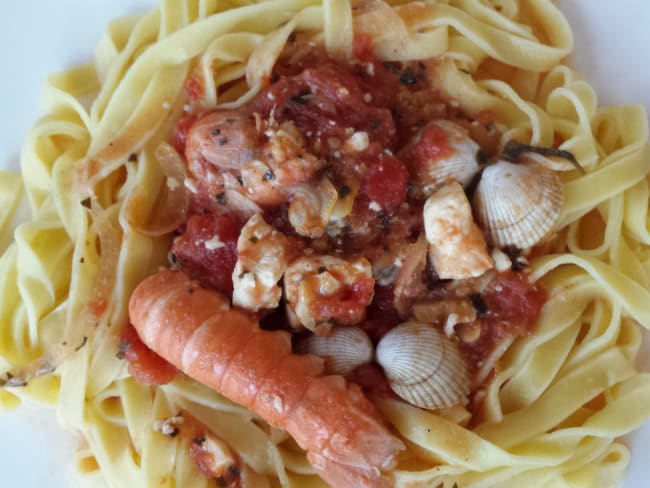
<point>518,204</point>
<point>423,366</point>
<point>343,349</point>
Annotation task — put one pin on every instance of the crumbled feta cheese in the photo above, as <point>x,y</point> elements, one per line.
<point>169,425</point>
<point>358,141</point>
<point>190,185</point>
<point>367,97</point>
<point>370,69</point>
<point>452,321</point>
<point>277,404</point>
<point>214,243</point>
<point>374,206</point>
<point>172,183</point>
<point>501,260</point>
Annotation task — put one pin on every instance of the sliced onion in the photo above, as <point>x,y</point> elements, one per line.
<point>169,209</point>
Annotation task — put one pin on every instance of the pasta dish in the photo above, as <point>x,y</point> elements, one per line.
<point>332,243</point>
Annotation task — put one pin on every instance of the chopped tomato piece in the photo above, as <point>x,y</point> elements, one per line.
<point>511,297</point>
<point>207,250</point>
<point>144,365</point>
<point>386,182</point>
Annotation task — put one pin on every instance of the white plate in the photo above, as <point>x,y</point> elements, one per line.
<point>40,37</point>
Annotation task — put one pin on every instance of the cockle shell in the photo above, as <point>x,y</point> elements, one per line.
<point>343,349</point>
<point>458,162</point>
<point>518,204</point>
<point>423,366</point>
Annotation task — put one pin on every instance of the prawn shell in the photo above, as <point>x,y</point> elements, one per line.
<point>423,366</point>
<point>518,204</point>
<point>343,349</point>
<point>460,164</point>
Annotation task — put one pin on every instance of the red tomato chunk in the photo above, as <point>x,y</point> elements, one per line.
<point>386,182</point>
<point>207,250</point>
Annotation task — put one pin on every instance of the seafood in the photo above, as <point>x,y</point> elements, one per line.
<point>311,208</point>
<point>518,204</point>
<point>343,349</point>
<point>231,150</point>
<point>224,138</point>
<point>456,246</point>
<point>441,152</point>
<point>262,256</point>
<point>423,366</point>
<point>324,290</point>
<point>212,455</point>
<point>222,347</point>
<point>550,158</point>
<point>448,312</point>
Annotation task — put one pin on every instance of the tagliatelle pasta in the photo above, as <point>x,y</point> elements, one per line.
<point>103,197</point>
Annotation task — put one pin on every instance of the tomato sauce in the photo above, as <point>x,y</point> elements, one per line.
<point>512,307</point>
<point>369,121</point>
<point>348,303</point>
<point>144,365</point>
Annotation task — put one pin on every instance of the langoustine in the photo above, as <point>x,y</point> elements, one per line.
<point>196,330</point>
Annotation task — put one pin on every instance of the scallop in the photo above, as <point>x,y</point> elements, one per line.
<point>455,159</point>
<point>423,366</point>
<point>343,349</point>
<point>518,204</point>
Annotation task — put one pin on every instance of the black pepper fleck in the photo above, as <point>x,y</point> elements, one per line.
<point>301,98</point>
<point>408,77</point>
<point>223,141</point>
<point>215,132</point>
<point>478,303</point>
<point>221,198</point>
<point>83,343</point>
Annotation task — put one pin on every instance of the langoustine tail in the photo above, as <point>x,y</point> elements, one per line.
<point>196,330</point>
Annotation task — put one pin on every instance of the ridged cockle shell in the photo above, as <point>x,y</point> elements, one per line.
<point>450,155</point>
<point>518,204</point>
<point>423,366</point>
<point>343,349</point>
